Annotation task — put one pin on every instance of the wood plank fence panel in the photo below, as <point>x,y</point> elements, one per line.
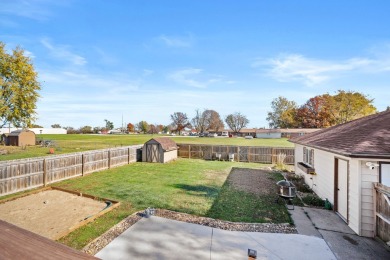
<point>382,193</point>
<point>256,154</point>
<point>119,157</point>
<point>63,167</point>
<point>24,174</point>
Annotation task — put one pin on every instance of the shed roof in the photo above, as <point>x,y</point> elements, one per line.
<point>167,144</point>
<point>364,137</point>
<point>18,132</point>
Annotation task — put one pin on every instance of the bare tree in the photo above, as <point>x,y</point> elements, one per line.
<point>199,121</point>
<point>236,122</point>
<point>180,121</point>
<point>213,120</point>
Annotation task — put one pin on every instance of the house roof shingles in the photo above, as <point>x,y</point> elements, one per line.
<point>364,137</point>
<point>167,144</point>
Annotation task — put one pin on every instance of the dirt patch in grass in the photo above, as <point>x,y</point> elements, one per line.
<point>254,181</point>
<point>49,213</point>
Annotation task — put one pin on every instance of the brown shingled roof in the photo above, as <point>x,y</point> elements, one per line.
<point>167,144</point>
<point>364,137</point>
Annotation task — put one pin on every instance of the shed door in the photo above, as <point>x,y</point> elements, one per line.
<point>341,188</point>
<point>152,153</point>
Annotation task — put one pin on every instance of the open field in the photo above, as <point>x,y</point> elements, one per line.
<point>76,143</point>
<point>186,185</point>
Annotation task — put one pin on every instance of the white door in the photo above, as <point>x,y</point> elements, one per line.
<point>342,188</point>
<point>385,174</point>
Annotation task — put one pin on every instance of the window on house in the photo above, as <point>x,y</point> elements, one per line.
<point>308,156</point>
<point>385,173</point>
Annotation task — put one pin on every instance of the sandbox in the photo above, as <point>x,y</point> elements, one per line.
<point>52,212</point>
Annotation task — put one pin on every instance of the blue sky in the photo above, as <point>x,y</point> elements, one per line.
<point>147,59</point>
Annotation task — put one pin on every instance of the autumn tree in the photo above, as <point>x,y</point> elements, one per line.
<point>236,122</point>
<point>19,88</point>
<point>143,127</point>
<point>130,127</point>
<point>180,121</point>
<point>207,120</point>
<point>350,105</point>
<point>282,114</point>
<point>316,112</point>
<point>153,129</point>
<point>213,120</point>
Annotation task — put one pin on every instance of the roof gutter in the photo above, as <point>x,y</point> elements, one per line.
<point>352,155</point>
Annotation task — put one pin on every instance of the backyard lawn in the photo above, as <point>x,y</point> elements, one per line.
<point>78,142</point>
<point>196,187</point>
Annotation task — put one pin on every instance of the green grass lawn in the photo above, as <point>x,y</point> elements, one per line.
<point>79,142</point>
<point>185,185</point>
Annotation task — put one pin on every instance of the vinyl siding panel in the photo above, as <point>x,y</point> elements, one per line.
<point>368,178</point>
<point>353,196</point>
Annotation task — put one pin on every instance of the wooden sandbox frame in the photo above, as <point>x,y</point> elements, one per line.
<point>114,205</point>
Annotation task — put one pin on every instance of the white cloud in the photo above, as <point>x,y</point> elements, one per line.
<point>177,41</point>
<point>195,78</point>
<point>62,52</point>
<point>33,9</point>
<point>296,67</point>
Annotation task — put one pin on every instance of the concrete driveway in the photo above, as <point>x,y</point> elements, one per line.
<point>160,238</point>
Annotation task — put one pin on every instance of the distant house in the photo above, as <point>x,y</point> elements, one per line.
<point>21,138</point>
<point>159,149</point>
<point>294,132</point>
<point>268,133</point>
<point>341,164</point>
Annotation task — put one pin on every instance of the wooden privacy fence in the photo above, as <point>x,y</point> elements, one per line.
<point>256,154</point>
<point>24,174</point>
<point>382,214</point>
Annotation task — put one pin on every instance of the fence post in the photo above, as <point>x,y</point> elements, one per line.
<point>82,164</point>
<point>128,156</point>
<point>189,151</point>
<point>44,173</point>
<point>273,156</point>
<point>109,159</point>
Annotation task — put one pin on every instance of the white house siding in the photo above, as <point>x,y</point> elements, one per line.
<point>353,195</point>
<point>269,135</point>
<point>322,182</point>
<point>359,205</point>
<point>169,156</point>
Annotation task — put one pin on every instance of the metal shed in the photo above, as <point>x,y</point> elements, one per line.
<point>21,138</point>
<point>159,149</point>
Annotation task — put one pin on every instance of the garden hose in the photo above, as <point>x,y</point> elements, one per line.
<point>108,204</point>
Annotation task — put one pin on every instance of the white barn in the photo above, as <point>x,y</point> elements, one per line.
<point>342,164</point>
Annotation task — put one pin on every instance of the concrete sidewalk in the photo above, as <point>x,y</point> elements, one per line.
<point>341,239</point>
<point>160,238</point>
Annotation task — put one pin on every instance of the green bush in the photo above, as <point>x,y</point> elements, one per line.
<point>313,200</point>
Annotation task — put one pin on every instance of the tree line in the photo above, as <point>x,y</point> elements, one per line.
<point>320,111</point>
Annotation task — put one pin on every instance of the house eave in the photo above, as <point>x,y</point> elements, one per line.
<point>347,154</point>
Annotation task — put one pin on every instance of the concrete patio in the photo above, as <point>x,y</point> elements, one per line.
<point>343,242</point>
<point>160,238</point>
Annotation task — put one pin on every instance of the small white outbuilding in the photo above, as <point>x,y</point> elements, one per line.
<point>160,150</point>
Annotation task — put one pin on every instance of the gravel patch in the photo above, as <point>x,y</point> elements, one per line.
<point>259,182</point>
